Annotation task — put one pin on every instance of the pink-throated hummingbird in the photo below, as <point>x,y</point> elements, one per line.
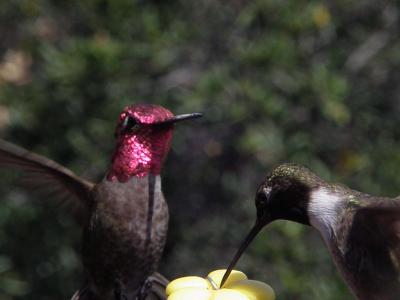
<point>124,216</point>
<point>362,232</point>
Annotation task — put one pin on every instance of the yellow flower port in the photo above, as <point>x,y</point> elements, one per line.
<point>236,287</point>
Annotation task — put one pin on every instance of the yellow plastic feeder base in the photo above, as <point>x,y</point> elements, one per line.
<point>236,287</point>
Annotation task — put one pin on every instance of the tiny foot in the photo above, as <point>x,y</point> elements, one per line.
<point>144,290</point>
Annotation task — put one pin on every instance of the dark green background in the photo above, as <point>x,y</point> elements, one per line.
<point>299,81</point>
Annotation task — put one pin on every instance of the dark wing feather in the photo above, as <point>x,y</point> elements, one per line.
<point>375,251</point>
<point>47,177</point>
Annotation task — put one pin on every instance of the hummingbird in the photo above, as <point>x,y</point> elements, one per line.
<point>361,232</point>
<point>124,217</point>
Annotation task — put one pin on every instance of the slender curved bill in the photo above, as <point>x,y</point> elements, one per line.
<point>247,241</point>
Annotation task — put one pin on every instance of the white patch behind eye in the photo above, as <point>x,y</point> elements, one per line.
<point>322,211</point>
<point>267,190</point>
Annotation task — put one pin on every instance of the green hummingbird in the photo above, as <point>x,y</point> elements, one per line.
<point>362,232</point>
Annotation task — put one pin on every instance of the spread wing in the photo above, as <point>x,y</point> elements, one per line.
<point>47,177</point>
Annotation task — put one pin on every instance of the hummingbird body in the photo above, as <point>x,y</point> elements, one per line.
<point>125,216</point>
<point>126,233</point>
<point>362,232</point>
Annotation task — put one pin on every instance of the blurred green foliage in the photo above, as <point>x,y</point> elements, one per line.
<point>298,81</point>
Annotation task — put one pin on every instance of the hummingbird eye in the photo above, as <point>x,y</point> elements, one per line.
<point>261,200</point>
<point>128,124</point>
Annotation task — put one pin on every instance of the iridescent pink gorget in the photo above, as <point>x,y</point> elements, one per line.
<point>143,134</point>
<point>142,149</point>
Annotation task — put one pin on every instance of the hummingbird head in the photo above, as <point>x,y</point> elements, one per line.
<point>143,139</point>
<point>284,194</point>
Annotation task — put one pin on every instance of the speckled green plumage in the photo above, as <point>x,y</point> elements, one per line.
<point>297,172</point>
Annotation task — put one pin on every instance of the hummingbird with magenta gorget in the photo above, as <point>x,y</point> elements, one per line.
<point>124,217</point>
<point>362,232</point>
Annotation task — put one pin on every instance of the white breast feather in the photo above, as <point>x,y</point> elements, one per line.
<point>322,211</point>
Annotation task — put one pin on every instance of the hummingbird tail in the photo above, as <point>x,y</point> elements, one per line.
<point>156,291</point>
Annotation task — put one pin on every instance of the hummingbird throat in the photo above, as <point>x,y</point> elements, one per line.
<point>140,154</point>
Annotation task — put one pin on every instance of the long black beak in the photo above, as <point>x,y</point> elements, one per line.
<point>179,118</point>
<point>249,238</point>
